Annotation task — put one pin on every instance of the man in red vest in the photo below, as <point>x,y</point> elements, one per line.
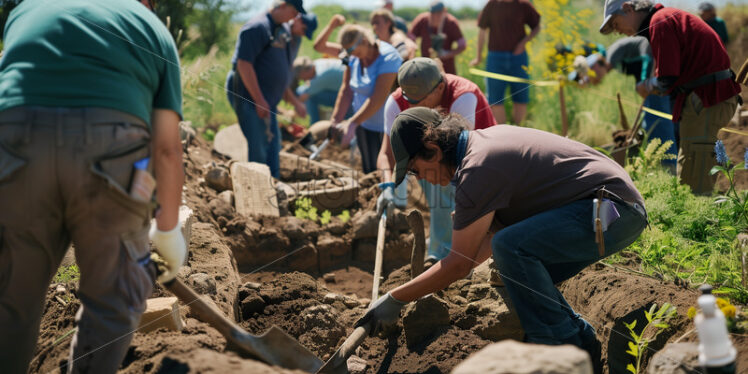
<point>423,84</point>
<point>692,66</point>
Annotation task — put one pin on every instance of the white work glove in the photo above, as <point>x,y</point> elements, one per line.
<point>386,199</point>
<point>382,315</point>
<point>171,247</point>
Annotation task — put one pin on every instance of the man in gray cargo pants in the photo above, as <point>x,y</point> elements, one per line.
<point>90,102</point>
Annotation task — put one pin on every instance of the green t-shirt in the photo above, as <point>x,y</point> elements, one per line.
<point>89,53</point>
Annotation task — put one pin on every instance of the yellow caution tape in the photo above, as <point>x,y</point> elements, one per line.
<point>510,78</point>
<point>727,129</point>
<point>658,113</point>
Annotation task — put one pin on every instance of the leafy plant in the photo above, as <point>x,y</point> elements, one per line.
<point>66,274</point>
<point>345,216</point>
<point>657,322</point>
<point>325,217</point>
<point>737,201</point>
<point>650,158</point>
<point>305,209</point>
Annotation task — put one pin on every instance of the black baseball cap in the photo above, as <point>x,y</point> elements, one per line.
<point>407,134</point>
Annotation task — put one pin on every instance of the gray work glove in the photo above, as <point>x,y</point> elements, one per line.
<point>172,248</point>
<point>383,314</point>
<point>386,199</point>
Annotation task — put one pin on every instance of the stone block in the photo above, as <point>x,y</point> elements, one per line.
<point>161,312</point>
<point>254,193</point>
<point>230,142</point>
<point>676,358</point>
<point>423,317</point>
<point>334,195</point>
<point>512,357</point>
<point>365,224</point>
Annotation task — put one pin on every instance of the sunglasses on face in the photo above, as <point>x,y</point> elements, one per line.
<point>352,48</point>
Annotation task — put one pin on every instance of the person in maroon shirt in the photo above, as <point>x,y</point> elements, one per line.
<point>438,31</point>
<point>692,66</point>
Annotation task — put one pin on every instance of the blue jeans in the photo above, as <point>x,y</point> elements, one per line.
<point>508,64</point>
<point>323,98</point>
<point>547,248</point>
<point>441,202</point>
<point>659,127</point>
<point>263,148</point>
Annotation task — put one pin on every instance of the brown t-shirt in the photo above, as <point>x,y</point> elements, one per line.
<point>506,20</point>
<point>519,172</point>
<point>451,31</point>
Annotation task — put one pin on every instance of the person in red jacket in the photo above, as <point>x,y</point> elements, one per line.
<point>423,84</point>
<point>692,66</point>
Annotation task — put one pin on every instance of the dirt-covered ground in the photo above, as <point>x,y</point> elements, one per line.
<point>314,281</point>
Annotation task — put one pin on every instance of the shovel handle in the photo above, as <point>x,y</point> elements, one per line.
<point>378,257</point>
<point>340,357</point>
<point>203,310</point>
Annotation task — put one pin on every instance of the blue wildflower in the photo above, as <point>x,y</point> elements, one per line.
<point>721,153</point>
<point>745,159</point>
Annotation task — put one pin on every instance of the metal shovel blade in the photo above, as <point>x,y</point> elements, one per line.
<point>278,348</point>
<point>274,347</point>
<point>319,150</point>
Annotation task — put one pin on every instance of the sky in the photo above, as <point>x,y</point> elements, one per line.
<point>689,5</point>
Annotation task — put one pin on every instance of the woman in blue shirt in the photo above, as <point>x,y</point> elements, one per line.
<point>370,73</point>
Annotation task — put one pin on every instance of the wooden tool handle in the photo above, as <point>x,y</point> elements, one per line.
<point>339,359</point>
<point>378,258</point>
<point>207,313</point>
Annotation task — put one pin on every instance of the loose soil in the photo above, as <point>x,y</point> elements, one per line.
<point>319,305</point>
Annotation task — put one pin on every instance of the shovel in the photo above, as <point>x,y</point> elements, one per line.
<point>337,364</point>
<point>274,347</point>
<point>319,150</point>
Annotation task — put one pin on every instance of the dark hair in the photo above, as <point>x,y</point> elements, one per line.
<point>446,135</point>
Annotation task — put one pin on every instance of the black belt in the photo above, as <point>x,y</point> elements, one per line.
<point>704,80</point>
<point>606,194</point>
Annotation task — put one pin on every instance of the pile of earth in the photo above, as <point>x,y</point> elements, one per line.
<point>314,281</point>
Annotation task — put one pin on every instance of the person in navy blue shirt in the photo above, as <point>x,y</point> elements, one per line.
<point>260,74</point>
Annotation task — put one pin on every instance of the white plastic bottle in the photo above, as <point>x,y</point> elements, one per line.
<point>716,353</point>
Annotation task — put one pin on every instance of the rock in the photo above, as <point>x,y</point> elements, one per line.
<point>186,132</point>
<point>293,227</point>
<point>332,251</point>
<point>492,319</point>
<point>329,277</point>
<point>161,312</point>
<point>227,196</point>
<point>281,195</point>
<point>203,283</point>
<point>218,178</point>
<point>250,305</point>
<point>230,141</point>
<point>511,357</point>
<point>331,298</point>
<point>365,224</point>
<point>254,193</point>
<point>351,302</point>
<point>252,285</point>
<point>676,358</point>
<point>220,208</point>
<point>184,272</point>
<point>60,289</point>
<point>356,365</point>
<point>423,317</point>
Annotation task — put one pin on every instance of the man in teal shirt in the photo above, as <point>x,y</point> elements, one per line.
<point>708,13</point>
<point>90,103</point>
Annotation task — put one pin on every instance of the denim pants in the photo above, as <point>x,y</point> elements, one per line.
<point>547,248</point>
<point>263,139</point>
<point>441,201</point>
<point>323,98</point>
<point>661,128</point>
<point>508,64</point>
